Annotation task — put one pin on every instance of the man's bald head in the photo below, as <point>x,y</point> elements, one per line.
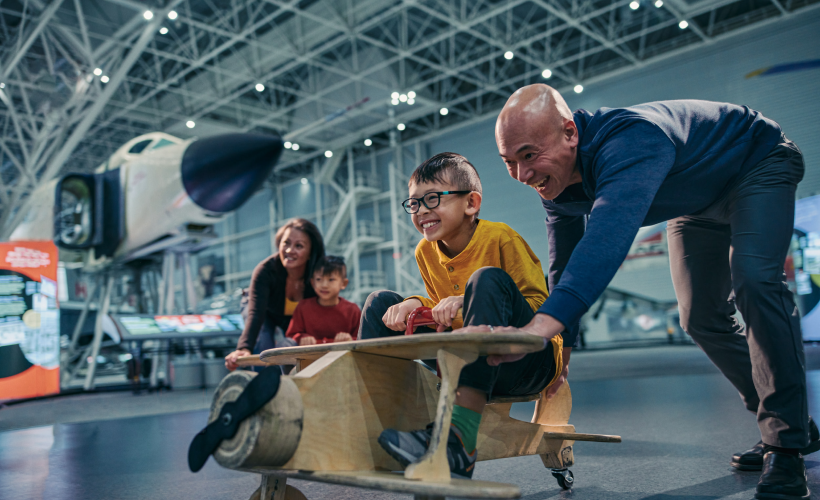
<point>536,107</point>
<point>537,138</point>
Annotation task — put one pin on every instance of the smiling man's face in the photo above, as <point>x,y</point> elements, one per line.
<point>537,142</point>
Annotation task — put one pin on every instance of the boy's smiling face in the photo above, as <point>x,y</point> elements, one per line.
<point>449,219</point>
<point>328,286</point>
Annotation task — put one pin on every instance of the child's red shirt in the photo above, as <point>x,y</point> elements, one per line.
<point>324,322</point>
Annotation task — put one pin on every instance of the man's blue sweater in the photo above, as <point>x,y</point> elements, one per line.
<point>641,165</point>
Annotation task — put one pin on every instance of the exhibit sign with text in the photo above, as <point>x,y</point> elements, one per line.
<point>805,256</point>
<point>29,320</point>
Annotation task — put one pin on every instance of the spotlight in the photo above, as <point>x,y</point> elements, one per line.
<point>2,85</point>
<point>546,73</point>
<point>443,111</point>
<point>190,124</point>
<point>394,95</point>
<point>104,78</point>
<point>578,88</point>
<point>683,25</point>
<point>634,4</point>
<point>659,4</point>
<point>288,144</point>
<point>400,126</point>
<point>148,15</point>
<point>259,87</point>
<point>368,142</point>
<point>508,55</point>
<point>411,95</point>
<point>97,71</point>
<point>394,102</point>
<point>411,101</point>
<point>403,98</point>
<point>163,31</point>
<point>295,147</point>
<point>304,180</point>
<point>328,154</point>
<point>172,15</point>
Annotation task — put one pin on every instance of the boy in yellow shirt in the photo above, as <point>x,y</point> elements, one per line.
<point>483,268</point>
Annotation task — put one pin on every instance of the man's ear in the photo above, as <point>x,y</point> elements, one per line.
<point>571,133</point>
<point>344,283</point>
<point>473,203</point>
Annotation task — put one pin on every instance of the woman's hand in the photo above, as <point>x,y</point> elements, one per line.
<point>231,359</point>
<point>342,337</point>
<point>446,310</point>
<point>307,340</point>
<point>396,317</point>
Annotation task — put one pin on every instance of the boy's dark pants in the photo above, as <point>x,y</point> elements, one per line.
<point>491,298</point>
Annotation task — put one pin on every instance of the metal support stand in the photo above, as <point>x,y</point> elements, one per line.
<point>98,334</point>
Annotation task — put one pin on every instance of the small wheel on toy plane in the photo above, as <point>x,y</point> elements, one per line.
<point>564,477</point>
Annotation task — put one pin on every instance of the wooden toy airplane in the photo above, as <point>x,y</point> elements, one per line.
<point>325,418</point>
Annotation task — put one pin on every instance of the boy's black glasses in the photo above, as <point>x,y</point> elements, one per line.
<point>430,200</point>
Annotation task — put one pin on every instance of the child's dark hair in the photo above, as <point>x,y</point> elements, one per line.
<point>330,264</point>
<point>449,168</point>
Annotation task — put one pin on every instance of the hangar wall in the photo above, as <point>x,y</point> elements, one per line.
<point>715,72</point>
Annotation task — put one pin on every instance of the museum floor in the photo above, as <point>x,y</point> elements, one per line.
<point>679,418</point>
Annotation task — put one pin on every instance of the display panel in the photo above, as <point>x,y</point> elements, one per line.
<point>805,257</point>
<point>145,326</point>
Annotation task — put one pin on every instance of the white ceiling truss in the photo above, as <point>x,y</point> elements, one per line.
<point>315,59</point>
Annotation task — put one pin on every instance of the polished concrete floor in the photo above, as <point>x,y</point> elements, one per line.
<point>680,422</point>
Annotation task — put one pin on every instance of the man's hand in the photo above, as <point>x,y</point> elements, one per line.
<point>342,337</point>
<point>396,317</point>
<point>542,325</point>
<point>231,359</point>
<point>553,389</point>
<point>307,340</point>
<point>446,310</point>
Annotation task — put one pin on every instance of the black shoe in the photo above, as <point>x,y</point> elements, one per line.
<point>408,447</point>
<point>753,459</point>
<point>783,478</point>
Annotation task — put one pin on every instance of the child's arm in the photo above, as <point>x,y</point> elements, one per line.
<point>519,261</point>
<point>297,328</point>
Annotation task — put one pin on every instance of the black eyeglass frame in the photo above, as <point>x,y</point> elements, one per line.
<point>421,200</point>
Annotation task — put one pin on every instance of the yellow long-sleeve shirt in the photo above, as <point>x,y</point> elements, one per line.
<point>493,244</point>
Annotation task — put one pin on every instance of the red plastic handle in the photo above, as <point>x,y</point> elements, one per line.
<point>420,316</point>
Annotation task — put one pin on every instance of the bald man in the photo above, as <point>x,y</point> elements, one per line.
<point>724,176</point>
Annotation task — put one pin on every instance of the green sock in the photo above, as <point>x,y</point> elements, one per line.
<point>467,422</point>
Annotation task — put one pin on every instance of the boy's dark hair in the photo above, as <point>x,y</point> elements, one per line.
<point>451,168</point>
<point>330,264</point>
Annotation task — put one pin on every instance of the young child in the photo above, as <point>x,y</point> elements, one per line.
<point>484,268</point>
<point>326,317</point>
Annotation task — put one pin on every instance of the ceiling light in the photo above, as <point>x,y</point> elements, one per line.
<point>659,4</point>
<point>634,4</point>
<point>288,144</point>
<point>403,98</point>
<point>400,126</point>
<point>295,147</point>
<point>97,71</point>
<point>443,111</point>
<point>148,15</point>
<point>304,180</point>
<point>683,25</point>
<point>578,88</point>
<point>259,87</point>
<point>163,31</point>
<point>328,153</point>
<point>368,142</point>
<point>2,85</point>
<point>411,95</point>
<point>104,78</point>
<point>411,101</point>
<point>546,73</point>
<point>394,95</point>
<point>508,55</point>
<point>190,124</point>
<point>394,102</point>
<point>172,15</point>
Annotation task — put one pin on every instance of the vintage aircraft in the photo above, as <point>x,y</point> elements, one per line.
<point>322,421</point>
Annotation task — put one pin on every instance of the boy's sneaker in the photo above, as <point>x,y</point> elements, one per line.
<point>408,447</point>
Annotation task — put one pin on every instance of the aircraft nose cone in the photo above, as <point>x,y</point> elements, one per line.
<point>221,172</point>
